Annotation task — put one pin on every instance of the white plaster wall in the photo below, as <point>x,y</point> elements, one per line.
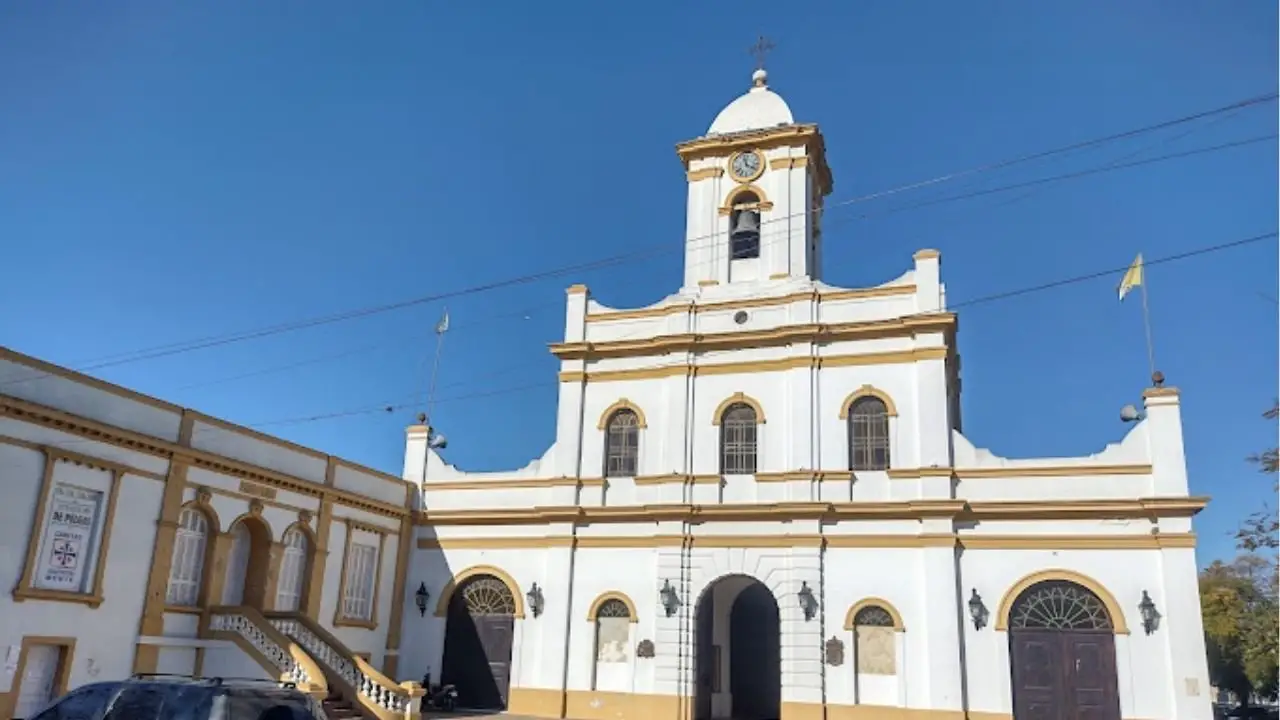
<point>227,441</point>
<point>105,635</point>
<point>120,408</point>
<point>228,660</point>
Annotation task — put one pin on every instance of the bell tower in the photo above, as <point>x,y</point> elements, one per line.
<point>757,181</point>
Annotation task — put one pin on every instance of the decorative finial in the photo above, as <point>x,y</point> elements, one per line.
<point>1157,377</point>
<point>761,48</point>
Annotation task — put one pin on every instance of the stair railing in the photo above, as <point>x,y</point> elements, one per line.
<point>271,649</point>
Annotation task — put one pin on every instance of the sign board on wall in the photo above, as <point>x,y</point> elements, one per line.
<point>70,529</point>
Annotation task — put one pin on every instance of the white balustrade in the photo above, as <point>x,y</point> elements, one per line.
<point>394,699</point>
<point>278,656</point>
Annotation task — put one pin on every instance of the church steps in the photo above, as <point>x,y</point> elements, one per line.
<point>276,654</point>
<point>354,684</point>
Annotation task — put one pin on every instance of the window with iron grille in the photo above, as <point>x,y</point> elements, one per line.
<point>622,444</point>
<point>868,435</point>
<point>738,440</point>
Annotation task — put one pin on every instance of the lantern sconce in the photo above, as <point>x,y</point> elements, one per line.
<point>978,611</point>
<point>1150,615</point>
<point>420,599</point>
<point>808,603</point>
<point>536,601</point>
<point>670,598</point>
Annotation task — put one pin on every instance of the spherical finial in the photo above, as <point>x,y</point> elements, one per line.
<point>759,78</point>
<point>1157,377</point>
<point>422,418</point>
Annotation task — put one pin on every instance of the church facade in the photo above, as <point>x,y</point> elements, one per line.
<point>759,504</point>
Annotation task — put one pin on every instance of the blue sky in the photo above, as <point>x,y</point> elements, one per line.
<point>170,171</point>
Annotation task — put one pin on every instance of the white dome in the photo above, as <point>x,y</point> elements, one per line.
<point>758,109</point>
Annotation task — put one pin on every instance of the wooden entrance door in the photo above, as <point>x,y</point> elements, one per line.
<point>1063,655</point>
<point>478,643</point>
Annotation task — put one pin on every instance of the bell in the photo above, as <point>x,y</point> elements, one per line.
<point>746,226</point>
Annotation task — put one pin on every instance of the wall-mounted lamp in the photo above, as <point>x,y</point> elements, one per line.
<point>420,599</point>
<point>536,602</point>
<point>669,597</point>
<point>1150,615</point>
<point>808,603</point>
<point>977,611</point>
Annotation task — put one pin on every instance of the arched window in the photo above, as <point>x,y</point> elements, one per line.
<point>1059,605</point>
<point>868,434</point>
<point>744,227</point>
<point>622,444</point>
<point>738,440</point>
<point>186,568</point>
<point>293,570</point>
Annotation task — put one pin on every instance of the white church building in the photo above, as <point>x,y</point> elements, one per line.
<point>759,504</point>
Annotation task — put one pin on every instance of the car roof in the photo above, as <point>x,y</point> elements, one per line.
<point>258,684</point>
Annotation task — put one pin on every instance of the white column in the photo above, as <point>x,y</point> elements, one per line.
<point>801,639</point>
<point>939,670</point>
<point>1178,603</point>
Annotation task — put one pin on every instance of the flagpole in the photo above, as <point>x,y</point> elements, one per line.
<point>1146,325</point>
<point>441,329</point>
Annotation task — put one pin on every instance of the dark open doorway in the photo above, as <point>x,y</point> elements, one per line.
<point>738,663</point>
<point>477,643</point>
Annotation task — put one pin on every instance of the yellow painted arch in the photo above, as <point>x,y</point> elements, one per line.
<point>734,399</point>
<point>622,404</point>
<point>1108,600</point>
<point>741,190</point>
<point>306,530</point>
<point>210,515</point>
<point>613,595</point>
<point>442,604</point>
<point>868,391</point>
<point>876,602</point>
<point>250,518</point>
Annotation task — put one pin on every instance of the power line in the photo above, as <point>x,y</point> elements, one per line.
<point>219,340</point>
<point>985,299</point>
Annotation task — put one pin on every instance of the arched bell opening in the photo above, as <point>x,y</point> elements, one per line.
<point>744,226</point>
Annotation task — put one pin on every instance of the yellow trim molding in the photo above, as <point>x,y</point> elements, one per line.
<point>1113,608</point>
<point>1104,509</point>
<point>806,136</point>
<point>512,484</point>
<point>926,254</point>
<point>605,597</point>
<point>703,174</point>
<point>876,602</point>
<point>26,590</point>
<point>446,594</point>
<point>868,391</point>
<point>622,404</point>
<point>755,366</point>
<point>830,296</point>
<point>1160,392</point>
<point>816,333</point>
<point>578,289</point>
<point>736,399</point>
<point>762,202</point>
<point>788,163</point>
<point>1131,541</point>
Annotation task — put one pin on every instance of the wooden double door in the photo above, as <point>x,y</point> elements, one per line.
<point>1064,674</point>
<point>478,642</point>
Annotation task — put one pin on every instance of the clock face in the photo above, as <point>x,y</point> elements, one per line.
<point>747,165</point>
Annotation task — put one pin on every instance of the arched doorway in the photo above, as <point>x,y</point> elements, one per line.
<point>477,642</point>
<point>738,662</point>
<point>1062,654</point>
<point>248,561</point>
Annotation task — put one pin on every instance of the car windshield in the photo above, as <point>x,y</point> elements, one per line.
<point>160,701</point>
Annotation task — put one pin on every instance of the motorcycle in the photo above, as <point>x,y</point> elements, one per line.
<point>438,697</point>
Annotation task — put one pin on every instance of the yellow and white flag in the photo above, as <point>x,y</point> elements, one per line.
<point>1132,277</point>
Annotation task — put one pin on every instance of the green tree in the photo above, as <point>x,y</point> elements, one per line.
<point>1238,602</point>
<point>1261,530</point>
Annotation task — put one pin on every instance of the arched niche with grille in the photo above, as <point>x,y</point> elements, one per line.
<point>486,595</point>
<point>622,442</point>
<point>866,414</point>
<point>875,625</point>
<point>455,587</point>
<point>1052,584</point>
<point>1059,605</point>
<point>739,419</point>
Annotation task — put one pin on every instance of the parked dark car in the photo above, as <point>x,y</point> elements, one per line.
<point>175,697</point>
